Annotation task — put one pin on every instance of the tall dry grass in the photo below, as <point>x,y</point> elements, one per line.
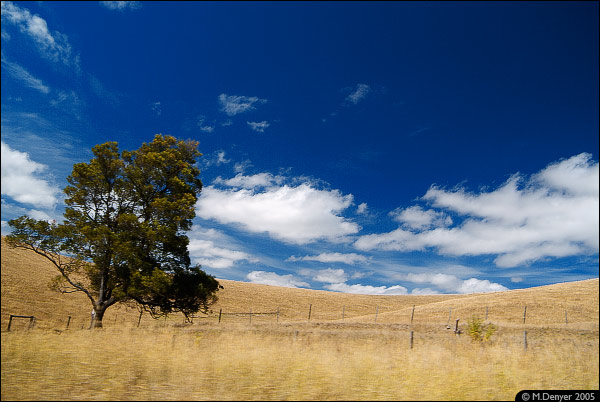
<point>287,362</point>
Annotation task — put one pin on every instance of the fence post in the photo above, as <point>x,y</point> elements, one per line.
<point>566,319</point>
<point>412,315</point>
<point>456,331</point>
<point>220,312</point>
<point>411,339</point>
<point>343,312</point>
<point>277,314</point>
<point>524,313</point>
<point>525,340</point>
<point>31,320</point>
<point>68,322</point>
<point>309,311</point>
<point>140,319</point>
<point>250,316</point>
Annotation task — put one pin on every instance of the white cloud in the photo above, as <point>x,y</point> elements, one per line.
<point>221,158</point>
<point>204,250</point>
<point>54,46</point>
<point>156,108</point>
<point>417,218</point>
<point>330,275</point>
<point>122,5</point>
<point>258,126</point>
<point>235,104</point>
<point>250,182</point>
<point>24,76</point>
<point>359,93</point>
<point>553,214</point>
<point>367,289</point>
<point>362,208</point>
<point>207,128</point>
<point>299,215</point>
<point>451,283</point>
<point>423,291</point>
<point>19,180</point>
<point>271,278</point>
<point>240,167</point>
<point>350,258</point>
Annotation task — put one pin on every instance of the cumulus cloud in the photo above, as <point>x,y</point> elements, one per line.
<point>417,218</point>
<point>206,253</point>
<point>213,249</point>
<point>21,74</point>
<point>451,283</point>
<point>250,182</point>
<point>554,213</point>
<point>122,5</point>
<point>330,275</point>
<point>20,179</point>
<point>362,208</point>
<point>358,93</point>
<point>236,104</point>
<point>258,126</point>
<point>297,214</point>
<point>271,278</point>
<point>349,258</point>
<point>52,45</point>
<point>367,289</point>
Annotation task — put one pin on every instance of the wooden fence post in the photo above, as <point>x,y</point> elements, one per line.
<point>411,339</point>
<point>456,331</point>
<point>68,322</point>
<point>412,315</point>
<point>31,320</point>
<point>524,313</point>
<point>140,319</point>
<point>220,312</point>
<point>566,319</point>
<point>525,340</point>
<point>309,311</point>
<point>277,314</point>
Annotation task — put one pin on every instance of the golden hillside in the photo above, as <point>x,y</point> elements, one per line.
<point>25,291</point>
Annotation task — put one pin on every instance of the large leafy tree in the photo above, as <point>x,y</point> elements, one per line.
<point>123,235</point>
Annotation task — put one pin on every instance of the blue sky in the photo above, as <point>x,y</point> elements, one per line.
<point>364,147</point>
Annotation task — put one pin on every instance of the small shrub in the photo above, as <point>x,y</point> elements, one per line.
<point>480,332</point>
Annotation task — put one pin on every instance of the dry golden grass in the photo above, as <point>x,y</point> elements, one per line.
<point>294,359</point>
<point>283,363</point>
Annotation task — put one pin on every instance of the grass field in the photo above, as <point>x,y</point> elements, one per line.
<point>365,356</point>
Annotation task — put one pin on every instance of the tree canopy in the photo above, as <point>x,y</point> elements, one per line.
<point>123,238</point>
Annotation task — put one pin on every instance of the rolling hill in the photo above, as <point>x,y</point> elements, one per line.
<point>25,291</point>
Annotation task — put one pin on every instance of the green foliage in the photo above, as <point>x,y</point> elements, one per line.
<point>124,229</point>
<point>479,331</point>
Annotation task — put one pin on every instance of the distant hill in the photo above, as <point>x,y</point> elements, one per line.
<point>25,291</point>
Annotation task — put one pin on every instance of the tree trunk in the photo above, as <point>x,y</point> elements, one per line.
<point>97,315</point>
